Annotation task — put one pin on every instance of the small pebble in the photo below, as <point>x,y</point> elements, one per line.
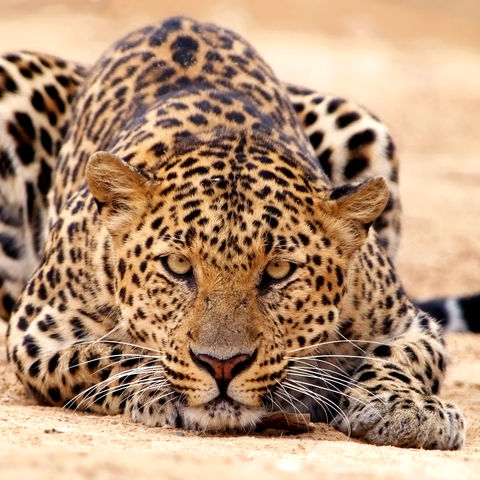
<point>53,430</point>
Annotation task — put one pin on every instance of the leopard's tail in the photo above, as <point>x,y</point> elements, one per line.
<point>456,314</point>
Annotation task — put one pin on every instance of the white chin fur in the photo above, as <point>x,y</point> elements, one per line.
<point>221,417</point>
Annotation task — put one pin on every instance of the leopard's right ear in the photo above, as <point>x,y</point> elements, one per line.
<point>119,190</point>
<point>353,208</point>
<point>362,203</point>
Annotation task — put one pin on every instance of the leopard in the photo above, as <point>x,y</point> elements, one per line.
<point>193,243</point>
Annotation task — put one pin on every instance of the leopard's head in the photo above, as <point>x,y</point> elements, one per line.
<point>229,261</point>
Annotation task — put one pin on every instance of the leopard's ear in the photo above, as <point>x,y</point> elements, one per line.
<point>118,189</point>
<point>364,202</point>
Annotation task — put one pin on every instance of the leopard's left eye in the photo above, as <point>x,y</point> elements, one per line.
<point>177,264</point>
<point>276,271</point>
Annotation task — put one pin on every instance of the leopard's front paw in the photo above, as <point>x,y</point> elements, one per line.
<point>420,421</point>
<point>152,412</point>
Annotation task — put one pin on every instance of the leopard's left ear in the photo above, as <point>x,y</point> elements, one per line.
<point>119,190</point>
<point>364,202</point>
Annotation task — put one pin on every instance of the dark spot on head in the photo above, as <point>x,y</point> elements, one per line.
<point>184,50</point>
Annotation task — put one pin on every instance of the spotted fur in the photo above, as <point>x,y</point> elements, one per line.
<point>36,92</point>
<point>182,143</point>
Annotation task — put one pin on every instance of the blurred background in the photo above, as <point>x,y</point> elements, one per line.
<point>415,63</point>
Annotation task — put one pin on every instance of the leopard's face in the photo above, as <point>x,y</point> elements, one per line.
<point>227,272</point>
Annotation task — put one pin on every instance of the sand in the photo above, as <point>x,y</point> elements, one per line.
<point>417,65</point>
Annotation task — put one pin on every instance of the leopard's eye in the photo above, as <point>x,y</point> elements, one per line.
<point>276,271</point>
<point>177,265</point>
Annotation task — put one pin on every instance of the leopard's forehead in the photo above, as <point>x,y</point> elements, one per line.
<point>200,126</point>
<point>233,200</point>
<point>232,154</point>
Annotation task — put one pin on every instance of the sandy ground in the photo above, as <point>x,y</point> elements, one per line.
<point>416,63</point>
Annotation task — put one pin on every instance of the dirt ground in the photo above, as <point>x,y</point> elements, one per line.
<point>416,63</point>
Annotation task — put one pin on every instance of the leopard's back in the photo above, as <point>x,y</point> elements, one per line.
<point>36,93</point>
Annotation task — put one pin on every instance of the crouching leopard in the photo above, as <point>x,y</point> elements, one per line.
<point>200,244</point>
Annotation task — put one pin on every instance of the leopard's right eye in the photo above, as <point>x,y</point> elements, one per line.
<point>177,265</point>
<point>276,271</point>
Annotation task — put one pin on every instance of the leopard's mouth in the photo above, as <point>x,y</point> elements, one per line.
<point>222,414</point>
<point>223,401</point>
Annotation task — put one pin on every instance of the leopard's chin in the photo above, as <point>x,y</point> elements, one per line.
<point>222,415</point>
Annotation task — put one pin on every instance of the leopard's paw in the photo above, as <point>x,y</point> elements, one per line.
<point>403,420</point>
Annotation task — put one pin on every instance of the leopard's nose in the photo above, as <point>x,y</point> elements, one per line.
<point>223,370</point>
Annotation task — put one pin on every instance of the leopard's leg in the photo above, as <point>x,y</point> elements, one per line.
<point>394,401</point>
<point>386,365</point>
<point>352,145</point>
<point>84,373</point>
<point>68,346</point>
<point>395,356</point>
<point>392,398</point>
<point>36,92</point>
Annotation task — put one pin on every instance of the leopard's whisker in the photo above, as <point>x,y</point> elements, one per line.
<point>319,358</point>
<point>323,402</point>
<point>116,389</point>
<point>293,385</point>
<point>320,400</point>
<point>147,385</point>
<point>107,357</point>
<point>327,377</point>
<point>118,342</point>
<point>157,398</point>
<point>103,337</point>
<point>290,400</point>
<point>315,357</point>
<point>280,409</point>
<point>366,394</point>
<point>88,401</point>
<point>346,340</point>
<point>333,382</point>
<point>351,342</point>
<point>342,372</point>
<point>269,397</point>
<point>108,381</point>
<point>334,390</point>
<point>135,383</point>
<point>322,375</point>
